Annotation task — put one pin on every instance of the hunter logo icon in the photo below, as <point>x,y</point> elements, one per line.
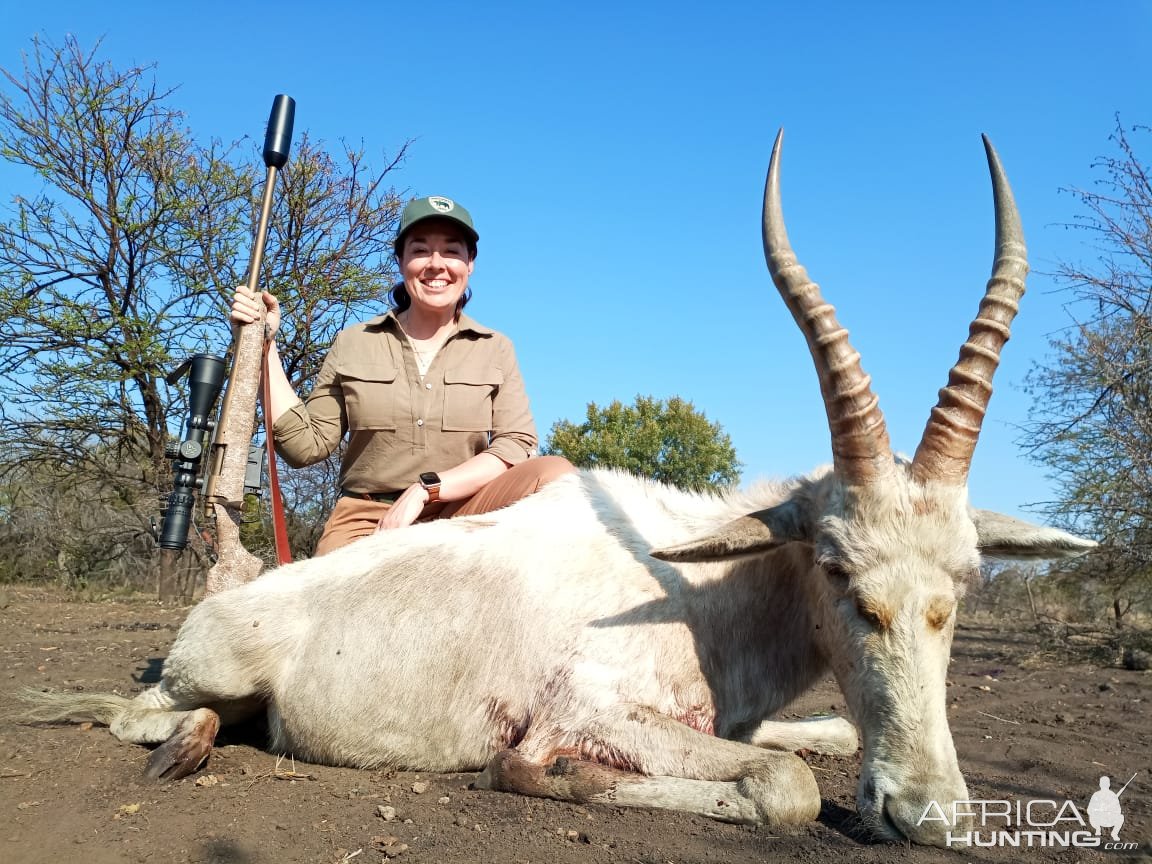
<point>1104,808</point>
<point>1036,822</point>
<point>444,205</point>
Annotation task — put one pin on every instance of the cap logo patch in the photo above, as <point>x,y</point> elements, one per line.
<point>444,205</point>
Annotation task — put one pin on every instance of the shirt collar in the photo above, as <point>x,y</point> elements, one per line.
<point>466,323</point>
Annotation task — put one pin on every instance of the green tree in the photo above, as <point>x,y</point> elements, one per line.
<point>668,441</point>
<point>1091,421</point>
<point>118,258</point>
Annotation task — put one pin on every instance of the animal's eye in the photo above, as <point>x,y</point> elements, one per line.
<point>836,571</point>
<point>868,614</point>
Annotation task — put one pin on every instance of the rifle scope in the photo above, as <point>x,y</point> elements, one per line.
<point>205,380</point>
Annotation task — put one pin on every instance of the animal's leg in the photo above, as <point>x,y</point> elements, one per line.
<point>213,675</point>
<point>187,735</point>
<point>187,748</point>
<point>151,717</point>
<point>832,735</point>
<point>586,782</point>
<point>206,682</point>
<point>687,770</point>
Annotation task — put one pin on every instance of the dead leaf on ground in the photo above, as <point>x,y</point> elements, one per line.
<point>128,810</point>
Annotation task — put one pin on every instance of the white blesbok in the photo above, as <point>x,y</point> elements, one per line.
<point>550,645</point>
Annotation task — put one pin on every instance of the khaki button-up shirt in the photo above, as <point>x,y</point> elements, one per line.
<point>398,424</point>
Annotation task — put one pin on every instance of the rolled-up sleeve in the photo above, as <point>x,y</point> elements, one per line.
<point>311,430</point>
<point>398,422</point>
<point>513,436</point>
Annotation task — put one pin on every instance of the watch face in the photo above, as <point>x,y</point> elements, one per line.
<point>429,478</point>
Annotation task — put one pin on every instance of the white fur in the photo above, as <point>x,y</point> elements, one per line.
<point>550,628</point>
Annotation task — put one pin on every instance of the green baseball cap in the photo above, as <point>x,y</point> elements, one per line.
<point>435,207</point>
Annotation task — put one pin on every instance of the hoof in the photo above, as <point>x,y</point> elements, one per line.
<point>187,750</point>
<point>492,777</point>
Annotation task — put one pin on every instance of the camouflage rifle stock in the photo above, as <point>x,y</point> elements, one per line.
<point>224,489</point>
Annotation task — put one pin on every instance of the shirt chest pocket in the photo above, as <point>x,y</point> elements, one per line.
<point>468,397</point>
<point>369,394</point>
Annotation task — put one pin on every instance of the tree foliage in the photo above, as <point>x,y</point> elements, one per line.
<point>1091,422</point>
<point>119,254</point>
<point>668,441</point>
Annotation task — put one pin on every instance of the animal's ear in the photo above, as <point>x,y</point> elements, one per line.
<point>1003,536</point>
<point>761,531</point>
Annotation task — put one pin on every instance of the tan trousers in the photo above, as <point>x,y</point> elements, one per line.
<point>353,518</point>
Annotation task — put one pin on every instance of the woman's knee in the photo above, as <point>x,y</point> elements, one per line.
<point>548,468</point>
<point>351,519</point>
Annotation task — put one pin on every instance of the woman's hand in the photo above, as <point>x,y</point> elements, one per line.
<point>246,309</point>
<point>406,509</point>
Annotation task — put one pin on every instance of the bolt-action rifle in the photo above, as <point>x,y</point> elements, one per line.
<point>229,457</point>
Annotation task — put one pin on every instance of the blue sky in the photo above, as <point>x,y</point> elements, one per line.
<point>613,156</point>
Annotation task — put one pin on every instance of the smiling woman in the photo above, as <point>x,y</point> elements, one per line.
<point>431,401</point>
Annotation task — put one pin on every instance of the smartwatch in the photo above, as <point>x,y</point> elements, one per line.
<point>430,480</point>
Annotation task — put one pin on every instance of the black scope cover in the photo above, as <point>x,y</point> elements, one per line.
<point>278,140</point>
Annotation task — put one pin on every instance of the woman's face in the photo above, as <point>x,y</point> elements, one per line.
<point>435,265</point>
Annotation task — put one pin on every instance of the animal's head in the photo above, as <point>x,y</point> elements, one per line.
<point>893,541</point>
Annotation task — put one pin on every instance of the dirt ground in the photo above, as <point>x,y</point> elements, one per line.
<point>1029,723</point>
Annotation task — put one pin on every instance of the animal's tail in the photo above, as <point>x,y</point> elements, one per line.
<point>47,706</point>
